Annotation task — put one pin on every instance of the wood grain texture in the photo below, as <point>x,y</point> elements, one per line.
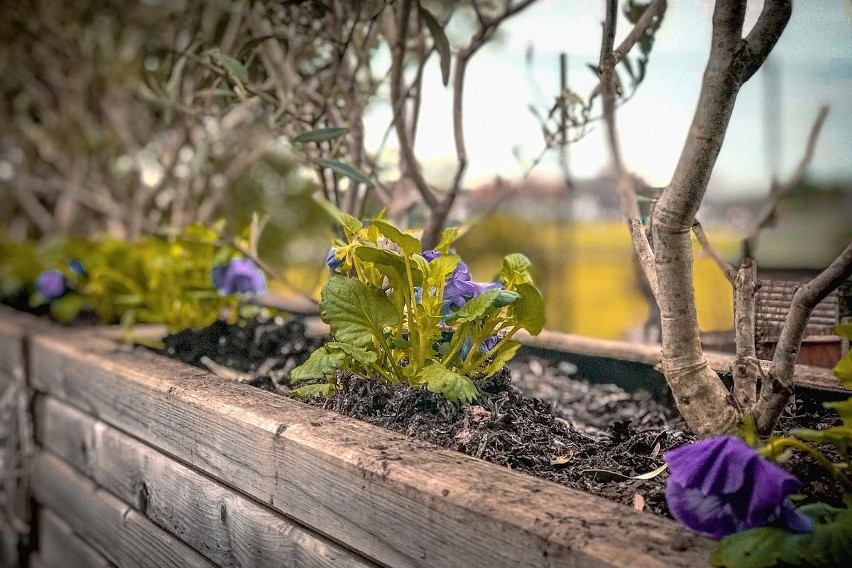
<point>220,523</point>
<point>16,445</point>
<point>115,530</point>
<point>805,375</point>
<point>59,547</point>
<point>398,501</point>
<point>35,561</point>
<point>11,349</point>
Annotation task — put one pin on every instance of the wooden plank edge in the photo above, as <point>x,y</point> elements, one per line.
<point>442,498</point>
<point>114,529</point>
<point>60,547</point>
<point>223,525</point>
<point>804,375</point>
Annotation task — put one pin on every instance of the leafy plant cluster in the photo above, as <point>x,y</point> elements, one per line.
<point>161,280</point>
<point>400,313</point>
<point>827,541</point>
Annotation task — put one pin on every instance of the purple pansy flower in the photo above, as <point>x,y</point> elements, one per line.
<point>51,284</point>
<point>239,276</point>
<point>721,486</point>
<point>460,287</point>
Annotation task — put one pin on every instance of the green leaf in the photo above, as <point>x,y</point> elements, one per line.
<point>390,264</point>
<point>316,389</point>
<point>528,310</point>
<point>843,370</point>
<point>440,268</point>
<point>505,298</point>
<point>407,243</point>
<point>844,330</point>
<point>358,353</point>
<point>356,312</point>
<point>320,364</point>
<point>453,386</point>
<point>829,544</point>
<point>843,408</point>
<point>67,307</point>
<point>346,220</point>
<point>475,308</point>
<point>515,271</point>
<point>320,135</point>
<point>442,45</point>
<point>503,356</point>
<point>343,169</point>
<point>448,236</point>
<point>231,65</point>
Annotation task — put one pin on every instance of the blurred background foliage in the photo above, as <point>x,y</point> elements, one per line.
<point>125,120</point>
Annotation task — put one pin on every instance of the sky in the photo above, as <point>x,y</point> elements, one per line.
<point>811,66</point>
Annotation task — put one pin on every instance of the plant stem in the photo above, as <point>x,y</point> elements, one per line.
<point>835,471</point>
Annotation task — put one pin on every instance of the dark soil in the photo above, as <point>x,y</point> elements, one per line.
<point>535,416</point>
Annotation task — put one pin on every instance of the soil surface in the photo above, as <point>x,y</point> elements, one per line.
<point>537,415</point>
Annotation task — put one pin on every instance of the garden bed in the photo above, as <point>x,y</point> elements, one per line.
<point>141,456</point>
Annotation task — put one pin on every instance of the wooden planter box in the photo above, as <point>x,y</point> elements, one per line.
<point>142,460</point>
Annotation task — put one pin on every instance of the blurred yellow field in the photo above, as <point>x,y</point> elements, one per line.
<point>585,271</point>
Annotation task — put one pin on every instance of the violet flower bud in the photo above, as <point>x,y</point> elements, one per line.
<point>76,266</point>
<point>721,486</point>
<point>239,276</point>
<point>51,284</point>
<point>332,261</point>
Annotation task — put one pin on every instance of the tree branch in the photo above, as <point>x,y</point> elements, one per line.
<point>746,366</point>
<point>777,192</point>
<point>441,211</point>
<point>624,182</point>
<point>654,10</point>
<point>684,363</point>
<point>776,390</point>
<point>397,93</point>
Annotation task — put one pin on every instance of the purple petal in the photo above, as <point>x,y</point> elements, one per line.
<point>430,255</point>
<point>721,485</point>
<point>794,520</point>
<point>51,284</point>
<point>705,514</point>
<point>239,276</point>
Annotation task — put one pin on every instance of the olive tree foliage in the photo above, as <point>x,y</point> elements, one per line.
<point>145,116</point>
<point>664,247</point>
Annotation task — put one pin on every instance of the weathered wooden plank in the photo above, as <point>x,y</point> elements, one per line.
<point>805,375</point>
<point>220,523</point>
<point>8,543</point>
<point>118,532</point>
<point>399,501</point>
<point>35,561</point>
<point>59,547</point>
<point>16,444</point>
<point>11,349</point>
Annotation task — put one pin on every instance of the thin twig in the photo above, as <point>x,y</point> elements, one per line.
<point>776,390</point>
<point>777,192</point>
<point>727,268</point>
<point>624,181</point>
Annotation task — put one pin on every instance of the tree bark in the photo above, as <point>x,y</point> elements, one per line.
<point>701,397</point>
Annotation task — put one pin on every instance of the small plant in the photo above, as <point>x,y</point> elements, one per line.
<point>404,314</point>
<point>724,488</point>
<point>181,281</point>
